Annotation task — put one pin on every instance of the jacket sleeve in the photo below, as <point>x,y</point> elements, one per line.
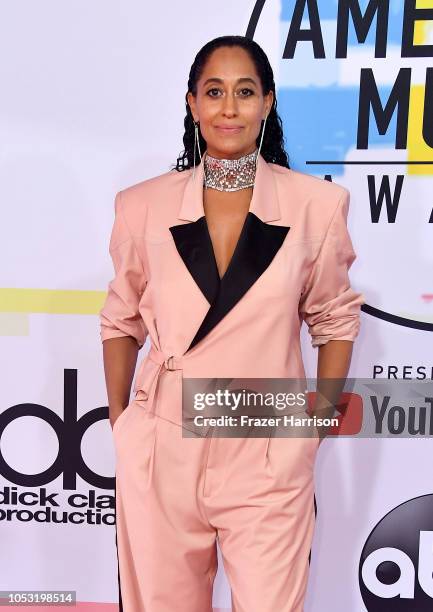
<point>328,304</point>
<point>120,314</point>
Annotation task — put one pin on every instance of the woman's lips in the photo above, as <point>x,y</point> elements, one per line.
<point>227,130</point>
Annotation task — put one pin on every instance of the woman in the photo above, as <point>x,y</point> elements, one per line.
<point>219,260</point>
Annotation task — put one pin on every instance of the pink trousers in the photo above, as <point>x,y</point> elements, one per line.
<point>176,496</point>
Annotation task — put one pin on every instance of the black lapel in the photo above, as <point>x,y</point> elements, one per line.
<point>195,247</point>
<point>257,246</point>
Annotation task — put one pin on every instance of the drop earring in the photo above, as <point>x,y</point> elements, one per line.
<point>196,144</point>
<point>261,140</point>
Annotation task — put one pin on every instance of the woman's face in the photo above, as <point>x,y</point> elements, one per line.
<point>230,104</point>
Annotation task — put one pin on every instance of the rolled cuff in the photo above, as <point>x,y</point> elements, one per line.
<point>329,305</point>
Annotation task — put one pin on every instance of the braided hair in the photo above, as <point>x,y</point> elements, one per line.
<point>273,140</point>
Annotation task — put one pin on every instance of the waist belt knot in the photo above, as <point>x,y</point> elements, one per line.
<point>150,369</point>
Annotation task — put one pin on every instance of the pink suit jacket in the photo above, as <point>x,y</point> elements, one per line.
<point>290,264</point>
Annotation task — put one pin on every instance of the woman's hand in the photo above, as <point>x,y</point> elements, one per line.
<point>332,368</point>
<point>120,358</point>
<point>114,414</point>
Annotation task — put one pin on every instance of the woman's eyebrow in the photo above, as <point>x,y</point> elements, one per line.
<point>218,80</point>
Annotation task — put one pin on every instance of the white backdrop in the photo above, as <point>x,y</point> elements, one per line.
<point>93,101</point>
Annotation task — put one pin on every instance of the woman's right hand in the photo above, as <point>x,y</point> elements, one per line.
<point>120,358</point>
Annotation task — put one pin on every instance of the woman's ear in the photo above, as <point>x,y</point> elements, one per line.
<point>270,97</point>
<point>192,105</point>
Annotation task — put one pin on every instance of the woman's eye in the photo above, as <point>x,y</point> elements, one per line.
<point>245,91</point>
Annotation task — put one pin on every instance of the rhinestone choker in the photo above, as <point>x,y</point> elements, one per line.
<point>230,174</point>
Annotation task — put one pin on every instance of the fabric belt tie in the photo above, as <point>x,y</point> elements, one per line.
<point>146,384</point>
<point>150,369</point>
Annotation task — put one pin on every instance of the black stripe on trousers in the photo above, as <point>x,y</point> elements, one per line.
<point>117,555</point>
<point>315,514</point>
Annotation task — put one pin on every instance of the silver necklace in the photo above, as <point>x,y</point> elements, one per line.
<point>230,174</point>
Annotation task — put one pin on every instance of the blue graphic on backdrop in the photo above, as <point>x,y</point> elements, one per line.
<point>320,120</point>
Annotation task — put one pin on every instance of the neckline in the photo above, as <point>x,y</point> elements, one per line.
<point>235,251</point>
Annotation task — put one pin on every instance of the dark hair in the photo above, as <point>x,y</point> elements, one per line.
<point>272,147</point>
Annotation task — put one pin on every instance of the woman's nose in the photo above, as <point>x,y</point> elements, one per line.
<point>230,105</point>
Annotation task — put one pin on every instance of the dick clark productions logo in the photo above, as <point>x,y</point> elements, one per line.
<point>396,564</point>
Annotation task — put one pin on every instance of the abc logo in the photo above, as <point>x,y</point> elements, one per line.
<point>396,564</point>
<point>69,431</point>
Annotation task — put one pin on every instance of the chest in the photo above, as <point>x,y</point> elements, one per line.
<point>225,213</point>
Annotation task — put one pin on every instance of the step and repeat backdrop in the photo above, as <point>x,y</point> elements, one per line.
<point>92,102</point>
